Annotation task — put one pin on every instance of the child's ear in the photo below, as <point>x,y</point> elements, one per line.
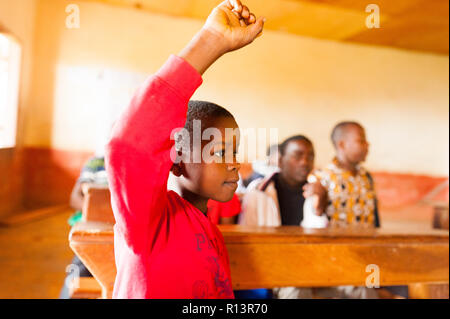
<point>176,170</point>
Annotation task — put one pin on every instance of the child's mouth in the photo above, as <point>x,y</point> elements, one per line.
<point>232,185</point>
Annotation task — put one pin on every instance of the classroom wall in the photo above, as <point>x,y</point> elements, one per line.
<point>297,84</point>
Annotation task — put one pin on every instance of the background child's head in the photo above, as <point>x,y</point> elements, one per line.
<point>209,168</point>
<point>349,140</point>
<point>296,159</point>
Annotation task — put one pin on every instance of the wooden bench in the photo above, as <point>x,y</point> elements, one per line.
<point>265,257</point>
<point>97,208</point>
<point>85,288</point>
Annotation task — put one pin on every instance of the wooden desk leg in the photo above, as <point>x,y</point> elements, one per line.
<point>428,291</point>
<point>107,292</point>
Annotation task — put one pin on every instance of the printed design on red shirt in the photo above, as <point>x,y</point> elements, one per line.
<point>203,240</point>
<point>222,283</point>
<point>221,280</point>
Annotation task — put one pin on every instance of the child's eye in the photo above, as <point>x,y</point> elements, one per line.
<point>220,153</point>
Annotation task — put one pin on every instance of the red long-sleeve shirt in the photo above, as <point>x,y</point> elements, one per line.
<point>164,246</point>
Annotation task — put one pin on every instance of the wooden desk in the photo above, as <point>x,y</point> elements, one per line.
<point>441,216</point>
<point>265,257</point>
<point>97,204</point>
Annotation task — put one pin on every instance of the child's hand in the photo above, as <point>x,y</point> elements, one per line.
<point>230,26</point>
<point>234,24</point>
<point>320,194</point>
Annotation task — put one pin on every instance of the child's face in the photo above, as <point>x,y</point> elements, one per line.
<point>297,162</point>
<point>355,145</point>
<point>215,180</point>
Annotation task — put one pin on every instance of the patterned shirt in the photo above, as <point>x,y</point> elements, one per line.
<point>352,198</point>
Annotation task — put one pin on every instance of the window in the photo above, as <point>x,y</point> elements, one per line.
<point>9,89</point>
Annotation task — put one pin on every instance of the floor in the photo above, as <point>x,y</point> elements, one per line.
<point>34,256</point>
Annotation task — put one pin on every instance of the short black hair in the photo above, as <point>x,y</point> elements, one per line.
<point>205,112</point>
<point>286,142</point>
<point>339,130</point>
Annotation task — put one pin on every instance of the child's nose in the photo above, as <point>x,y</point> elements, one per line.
<point>234,166</point>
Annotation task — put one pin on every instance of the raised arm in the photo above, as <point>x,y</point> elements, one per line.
<point>138,153</point>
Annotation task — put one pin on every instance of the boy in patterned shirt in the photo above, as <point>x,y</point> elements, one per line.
<point>351,193</point>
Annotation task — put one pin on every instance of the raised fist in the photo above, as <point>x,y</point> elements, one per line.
<point>235,24</point>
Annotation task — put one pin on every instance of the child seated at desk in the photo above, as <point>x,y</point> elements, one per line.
<point>165,246</point>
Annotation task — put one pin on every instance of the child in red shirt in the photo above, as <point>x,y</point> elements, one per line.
<point>165,246</point>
